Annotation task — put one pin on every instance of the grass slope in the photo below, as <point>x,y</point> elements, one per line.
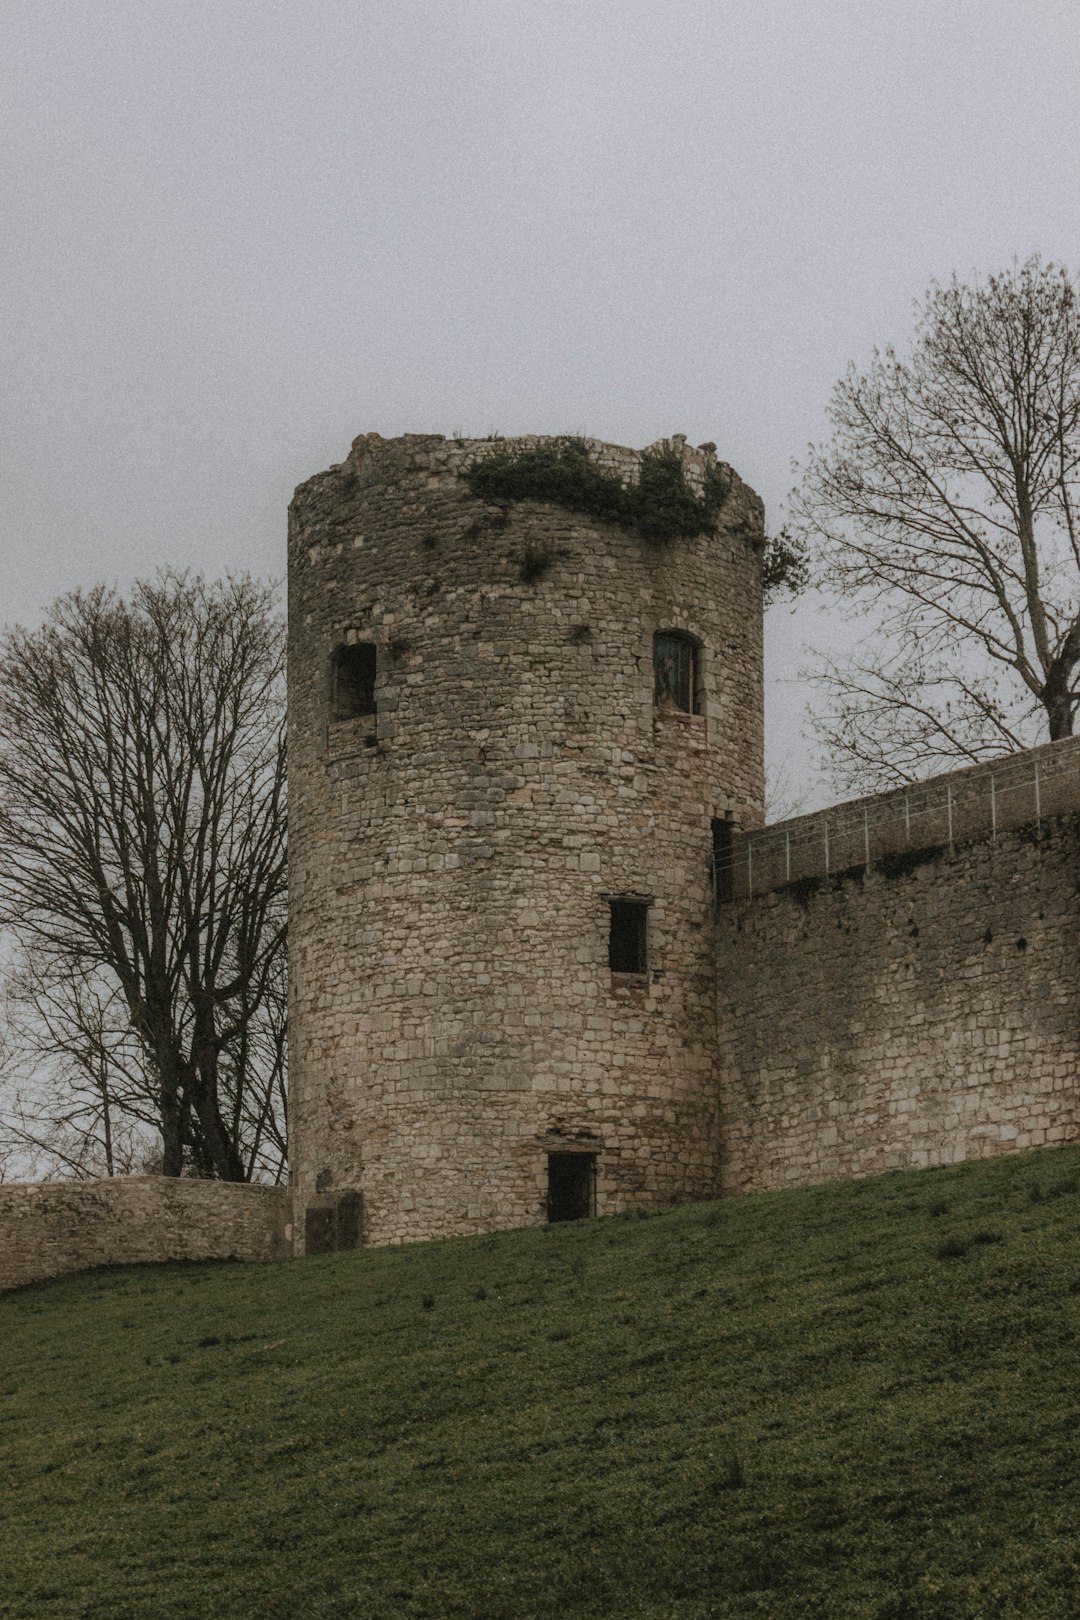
<point>855,1400</point>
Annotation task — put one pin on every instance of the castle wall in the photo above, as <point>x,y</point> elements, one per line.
<point>978,801</point>
<point>920,1011</point>
<point>48,1228</point>
<point>454,1017</point>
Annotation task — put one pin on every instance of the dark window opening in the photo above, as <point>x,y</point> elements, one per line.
<point>571,1186</point>
<point>677,671</point>
<point>723,876</point>
<point>352,681</point>
<point>628,939</point>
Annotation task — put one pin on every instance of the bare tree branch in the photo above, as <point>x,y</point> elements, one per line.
<point>944,507</point>
<point>142,872</point>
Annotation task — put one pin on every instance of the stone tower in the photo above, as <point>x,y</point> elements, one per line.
<point>516,736</point>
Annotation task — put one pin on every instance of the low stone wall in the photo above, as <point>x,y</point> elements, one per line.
<point>922,1011</point>
<point>51,1227</point>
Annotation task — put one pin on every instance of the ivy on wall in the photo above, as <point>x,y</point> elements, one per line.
<point>785,565</point>
<point>662,505</point>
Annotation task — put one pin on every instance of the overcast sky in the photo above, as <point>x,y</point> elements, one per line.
<point>235,235</point>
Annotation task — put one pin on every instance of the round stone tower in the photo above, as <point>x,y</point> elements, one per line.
<point>517,735</point>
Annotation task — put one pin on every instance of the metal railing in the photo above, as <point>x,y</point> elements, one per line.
<point>979,802</point>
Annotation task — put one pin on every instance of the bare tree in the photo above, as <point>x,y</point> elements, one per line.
<point>142,874</point>
<point>944,510</point>
<point>73,1089</point>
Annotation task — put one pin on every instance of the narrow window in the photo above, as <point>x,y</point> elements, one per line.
<point>628,938</point>
<point>352,681</point>
<point>723,877</point>
<point>676,671</point>
<point>571,1186</point>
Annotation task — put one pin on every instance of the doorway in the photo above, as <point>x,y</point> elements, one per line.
<point>571,1186</point>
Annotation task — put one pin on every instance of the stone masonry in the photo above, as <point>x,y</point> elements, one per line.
<point>889,983</point>
<point>918,1010</point>
<point>51,1227</point>
<point>483,782</point>
<point>454,854</point>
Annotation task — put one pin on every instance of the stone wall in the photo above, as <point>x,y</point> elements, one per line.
<point>920,1011</point>
<point>454,1018</point>
<point>51,1227</point>
<point>980,801</point>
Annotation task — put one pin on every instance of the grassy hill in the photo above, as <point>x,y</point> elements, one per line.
<point>856,1400</point>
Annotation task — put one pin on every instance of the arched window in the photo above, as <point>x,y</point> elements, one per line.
<point>677,671</point>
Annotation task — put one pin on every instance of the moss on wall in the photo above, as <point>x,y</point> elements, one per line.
<point>661,505</point>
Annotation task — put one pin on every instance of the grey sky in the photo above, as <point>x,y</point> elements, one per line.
<point>236,235</point>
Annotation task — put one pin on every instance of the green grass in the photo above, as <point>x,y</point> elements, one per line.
<point>855,1400</point>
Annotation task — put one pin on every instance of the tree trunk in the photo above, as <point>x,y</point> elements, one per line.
<point>222,1154</point>
<point>1058,699</point>
<point>1060,713</point>
<point>172,1146</point>
<point>170,1102</point>
<point>106,1126</point>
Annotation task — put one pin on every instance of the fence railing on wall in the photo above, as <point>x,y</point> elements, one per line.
<point>979,802</point>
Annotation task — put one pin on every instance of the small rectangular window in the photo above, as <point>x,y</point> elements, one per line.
<point>723,874</point>
<point>628,938</point>
<point>571,1186</point>
<point>352,681</point>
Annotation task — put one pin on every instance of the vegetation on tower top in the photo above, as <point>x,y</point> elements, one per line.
<point>661,505</point>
